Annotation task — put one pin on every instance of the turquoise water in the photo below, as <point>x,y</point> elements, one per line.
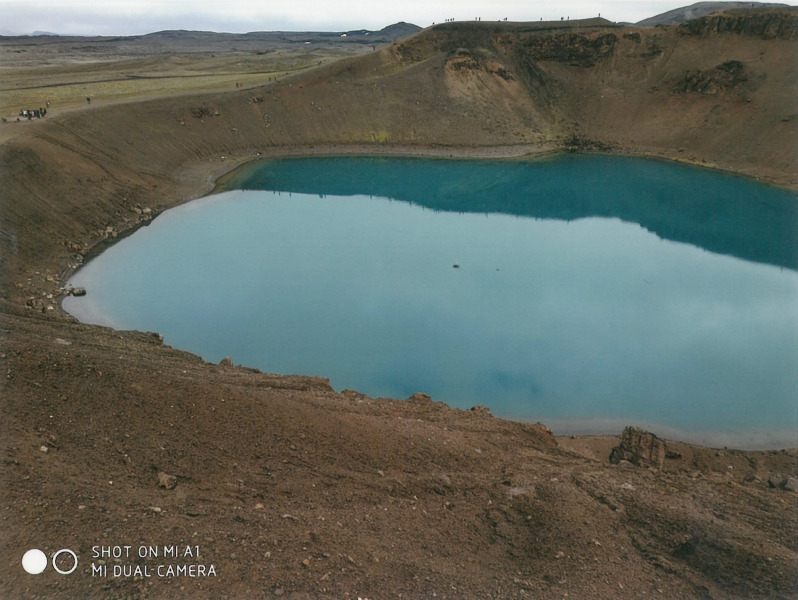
<point>587,292</point>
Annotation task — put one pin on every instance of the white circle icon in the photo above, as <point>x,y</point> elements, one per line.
<point>74,558</point>
<point>34,561</point>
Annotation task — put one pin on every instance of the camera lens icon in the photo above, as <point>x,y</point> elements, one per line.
<point>64,561</point>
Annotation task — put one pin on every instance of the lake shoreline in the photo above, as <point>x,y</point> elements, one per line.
<point>750,442</point>
<point>223,174</point>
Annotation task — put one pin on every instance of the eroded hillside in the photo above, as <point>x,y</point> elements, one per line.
<point>719,91</point>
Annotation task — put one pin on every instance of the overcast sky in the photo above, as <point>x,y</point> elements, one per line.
<point>129,17</point>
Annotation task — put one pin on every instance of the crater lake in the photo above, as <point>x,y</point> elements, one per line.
<point>588,292</point>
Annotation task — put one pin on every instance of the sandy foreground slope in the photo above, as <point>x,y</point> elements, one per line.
<point>267,486</point>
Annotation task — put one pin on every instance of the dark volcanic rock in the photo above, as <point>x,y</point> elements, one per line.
<point>639,447</point>
<point>697,10</point>
<point>729,75</point>
<point>573,48</point>
<point>766,25</point>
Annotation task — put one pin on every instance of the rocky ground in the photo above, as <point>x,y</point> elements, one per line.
<point>289,489</point>
<point>269,486</point>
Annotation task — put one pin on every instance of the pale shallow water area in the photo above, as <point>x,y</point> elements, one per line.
<point>587,292</point>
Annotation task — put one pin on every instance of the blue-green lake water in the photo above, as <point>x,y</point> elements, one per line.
<point>587,292</point>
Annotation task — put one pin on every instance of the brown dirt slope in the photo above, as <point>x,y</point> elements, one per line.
<point>718,91</point>
<point>292,490</point>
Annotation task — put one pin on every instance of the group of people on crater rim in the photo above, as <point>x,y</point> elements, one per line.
<point>33,113</point>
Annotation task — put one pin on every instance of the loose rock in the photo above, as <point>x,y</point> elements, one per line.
<point>167,481</point>
<point>640,448</point>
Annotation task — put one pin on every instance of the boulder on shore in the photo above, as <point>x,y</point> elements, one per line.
<point>639,447</point>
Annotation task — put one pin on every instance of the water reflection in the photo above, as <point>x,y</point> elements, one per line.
<point>711,210</point>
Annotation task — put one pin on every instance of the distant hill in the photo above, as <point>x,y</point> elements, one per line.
<point>386,34</point>
<point>359,36</point>
<point>399,30</point>
<point>699,9</point>
<point>11,34</point>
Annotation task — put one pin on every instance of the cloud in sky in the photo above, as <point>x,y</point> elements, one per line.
<point>129,17</point>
